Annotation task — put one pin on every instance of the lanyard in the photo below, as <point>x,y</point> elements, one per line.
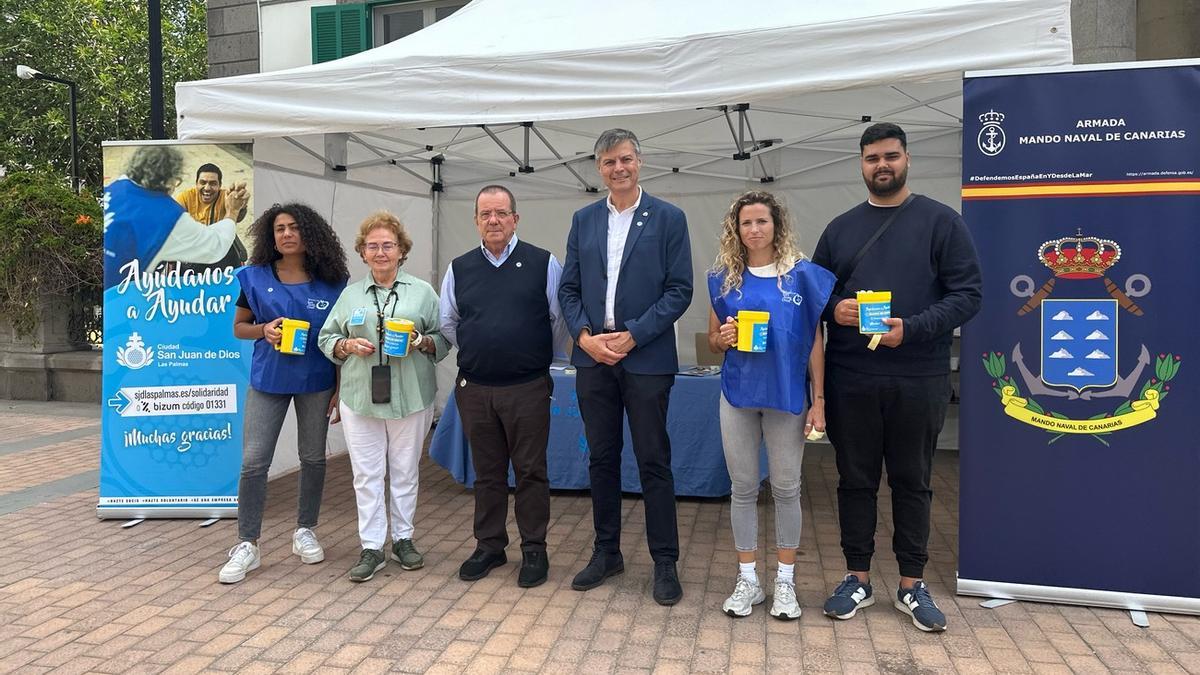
<point>379,313</point>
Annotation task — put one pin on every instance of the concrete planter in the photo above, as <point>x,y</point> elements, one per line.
<point>48,364</point>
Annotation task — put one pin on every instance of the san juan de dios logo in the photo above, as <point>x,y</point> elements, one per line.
<point>1079,340</point>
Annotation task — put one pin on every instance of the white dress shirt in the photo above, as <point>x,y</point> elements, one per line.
<point>618,232</point>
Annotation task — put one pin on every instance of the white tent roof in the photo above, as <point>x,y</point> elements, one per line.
<point>508,61</point>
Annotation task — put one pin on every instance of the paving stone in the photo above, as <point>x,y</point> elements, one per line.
<point>108,607</point>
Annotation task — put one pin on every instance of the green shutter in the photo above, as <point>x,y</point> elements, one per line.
<point>339,30</point>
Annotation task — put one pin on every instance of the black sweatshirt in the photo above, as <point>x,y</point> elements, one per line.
<point>928,262</point>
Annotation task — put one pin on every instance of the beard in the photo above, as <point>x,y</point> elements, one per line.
<point>889,188</point>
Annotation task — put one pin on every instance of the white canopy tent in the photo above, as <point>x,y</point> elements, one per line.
<point>724,96</point>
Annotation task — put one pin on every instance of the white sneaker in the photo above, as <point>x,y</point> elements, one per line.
<point>784,605</point>
<point>305,545</point>
<point>746,594</point>
<point>242,558</point>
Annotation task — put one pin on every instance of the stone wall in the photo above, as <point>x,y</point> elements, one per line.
<point>48,365</point>
<point>232,37</point>
<point>1168,29</point>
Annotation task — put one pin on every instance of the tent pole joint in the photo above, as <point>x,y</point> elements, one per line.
<point>435,165</point>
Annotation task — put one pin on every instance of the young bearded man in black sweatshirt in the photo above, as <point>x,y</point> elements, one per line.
<point>887,403</point>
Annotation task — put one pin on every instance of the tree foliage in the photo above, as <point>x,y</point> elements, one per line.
<point>50,244</point>
<point>103,46</point>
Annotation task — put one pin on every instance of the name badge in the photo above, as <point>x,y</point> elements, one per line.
<point>359,317</point>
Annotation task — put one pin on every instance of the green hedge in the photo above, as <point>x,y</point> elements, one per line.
<point>51,245</point>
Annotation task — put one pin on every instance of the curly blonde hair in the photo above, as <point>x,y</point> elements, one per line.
<point>384,220</point>
<point>731,252</point>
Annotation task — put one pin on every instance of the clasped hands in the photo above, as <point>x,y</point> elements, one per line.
<point>607,348</point>
<point>236,198</point>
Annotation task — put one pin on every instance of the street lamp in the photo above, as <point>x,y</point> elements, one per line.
<point>27,73</point>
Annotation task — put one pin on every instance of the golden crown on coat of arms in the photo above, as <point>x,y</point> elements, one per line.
<point>1079,257</point>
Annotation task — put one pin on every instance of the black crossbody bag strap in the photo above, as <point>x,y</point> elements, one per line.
<point>842,277</point>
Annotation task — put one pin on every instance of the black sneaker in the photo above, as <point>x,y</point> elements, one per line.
<point>602,566</point>
<point>480,563</point>
<point>667,590</point>
<point>535,567</point>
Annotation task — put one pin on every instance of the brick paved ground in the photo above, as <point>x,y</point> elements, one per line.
<point>77,594</point>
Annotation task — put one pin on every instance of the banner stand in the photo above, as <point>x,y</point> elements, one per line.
<point>1079,596</point>
<point>1078,461</point>
<point>176,224</point>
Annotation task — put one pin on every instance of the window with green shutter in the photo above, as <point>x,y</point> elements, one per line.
<point>339,30</point>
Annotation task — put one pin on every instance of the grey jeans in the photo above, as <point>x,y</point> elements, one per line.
<point>742,432</point>
<point>263,418</point>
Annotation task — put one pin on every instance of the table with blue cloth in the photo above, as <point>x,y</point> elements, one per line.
<point>693,422</point>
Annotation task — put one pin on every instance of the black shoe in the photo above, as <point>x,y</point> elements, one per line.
<point>602,566</point>
<point>667,590</point>
<point>535,567</point>
<point>480,563</point>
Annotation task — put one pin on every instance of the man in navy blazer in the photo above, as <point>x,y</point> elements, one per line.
<point>627,279</point>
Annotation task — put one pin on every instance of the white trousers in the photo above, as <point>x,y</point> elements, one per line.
<point>384,455</point>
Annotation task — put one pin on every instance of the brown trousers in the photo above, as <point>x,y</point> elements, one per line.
<point>503,425</point>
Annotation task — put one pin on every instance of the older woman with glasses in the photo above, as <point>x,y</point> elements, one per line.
<point>386,402</point>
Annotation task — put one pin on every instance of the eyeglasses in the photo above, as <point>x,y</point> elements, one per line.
<point>501,215</point>
<point>386,247</point>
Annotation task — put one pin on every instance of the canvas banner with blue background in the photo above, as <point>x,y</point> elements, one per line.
<point>174,376</point>
<point>1079,461</point>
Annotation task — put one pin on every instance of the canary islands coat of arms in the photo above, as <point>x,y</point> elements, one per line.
<point>1079,347</point>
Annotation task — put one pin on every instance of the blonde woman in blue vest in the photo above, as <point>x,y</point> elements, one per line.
<point>765,393</point>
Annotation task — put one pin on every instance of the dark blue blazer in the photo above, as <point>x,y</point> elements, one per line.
<point>654,287</point>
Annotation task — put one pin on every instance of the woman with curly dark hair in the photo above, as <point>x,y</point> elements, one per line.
<point>297,271</point>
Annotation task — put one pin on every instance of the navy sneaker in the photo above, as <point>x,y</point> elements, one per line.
<point>850,596</point>
<point>917,603</point>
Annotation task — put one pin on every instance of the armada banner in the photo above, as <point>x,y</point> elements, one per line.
<point>1081,374</point>
<point>174,379</point>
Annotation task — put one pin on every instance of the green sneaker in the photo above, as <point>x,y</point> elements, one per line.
<point>369,562</point>
<point>405,553</point>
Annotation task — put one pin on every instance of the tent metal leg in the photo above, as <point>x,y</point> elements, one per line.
<point>1139,618</point>
<point>435,167</point>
